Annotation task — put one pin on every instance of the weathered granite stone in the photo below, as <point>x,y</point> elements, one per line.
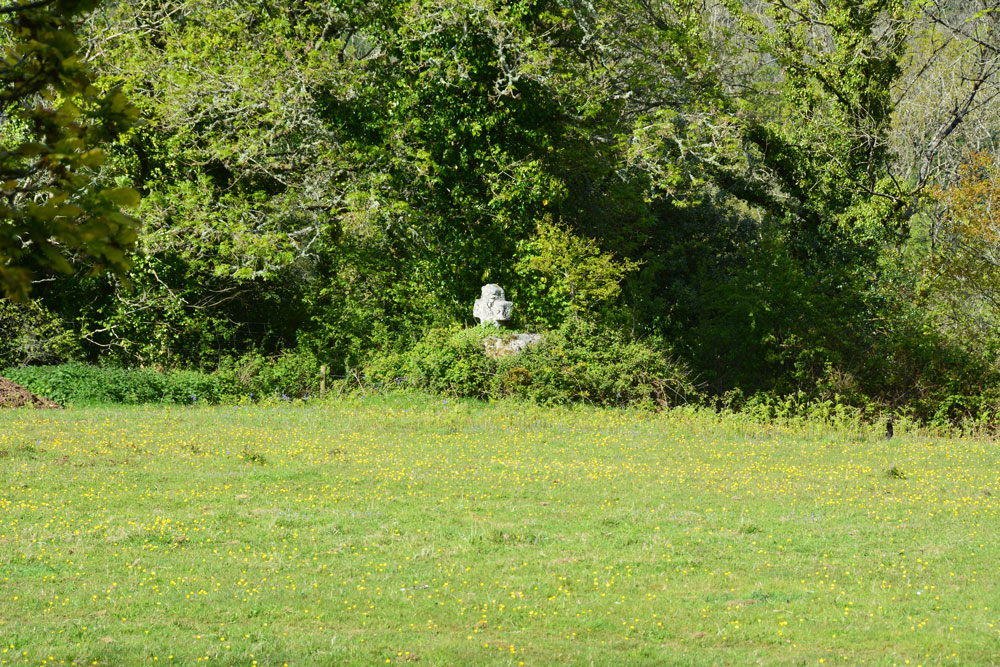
<point>498,348</point>
<point>492,306</point>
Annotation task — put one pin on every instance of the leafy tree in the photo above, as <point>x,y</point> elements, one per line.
<point>457,129</point>
<point>965,256</point>
<point>55,214</point>
<point>341,175</point>
<point>571,271</point>
<point>239,168</point>
<point>368,152</point>
<point>825,143</point>
<point>29,334</point>
<point>949,94</point>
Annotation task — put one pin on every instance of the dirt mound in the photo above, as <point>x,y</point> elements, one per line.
<point>15,396</point>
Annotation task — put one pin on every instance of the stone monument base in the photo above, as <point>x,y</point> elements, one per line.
<point>508,346</point>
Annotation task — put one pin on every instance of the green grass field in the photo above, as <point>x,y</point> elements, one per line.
<point>412,529</point>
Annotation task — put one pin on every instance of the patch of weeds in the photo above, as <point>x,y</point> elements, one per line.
<point>27,451</point>
<point>627,540</point>
<point>498,536</point>
<point>250,456</point>
<point>895,473</point>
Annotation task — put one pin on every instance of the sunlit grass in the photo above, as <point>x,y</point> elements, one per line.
<point>414,529</point>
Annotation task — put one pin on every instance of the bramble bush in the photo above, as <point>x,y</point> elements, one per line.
<point>580,361</point>
<point>294,374</point>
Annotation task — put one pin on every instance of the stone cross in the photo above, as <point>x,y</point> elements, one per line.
<point>492,306</point>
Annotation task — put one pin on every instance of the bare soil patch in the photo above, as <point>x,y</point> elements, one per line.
<point>15,396</point>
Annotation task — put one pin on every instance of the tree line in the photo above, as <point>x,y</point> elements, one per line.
<point>791,197</point>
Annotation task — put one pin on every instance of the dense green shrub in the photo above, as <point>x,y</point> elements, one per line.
<point>253,375</point>
<point>31,334</point>
<point>448,361</point>
<point>581,361</point>
<point>81,384</point>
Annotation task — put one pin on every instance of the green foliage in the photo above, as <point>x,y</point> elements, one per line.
<point>459,135</point>
<point>567,273</point>
<point>962,258</point>
<point>580,362</point>
<point>337,177</point>
<point>236,161</point>
<point>252,377</point>
<point>183,323</point>
<point>448,360</point>
<point>585,362</point>
<point>31,334</point>
<point>255,376</point>
<point>81,384</point>
<point>364,152</point>
<point>825,143</point>
<point>54,213</point>
<point>239,170</point>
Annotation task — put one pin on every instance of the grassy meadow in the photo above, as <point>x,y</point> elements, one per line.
<point>413,529</point>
